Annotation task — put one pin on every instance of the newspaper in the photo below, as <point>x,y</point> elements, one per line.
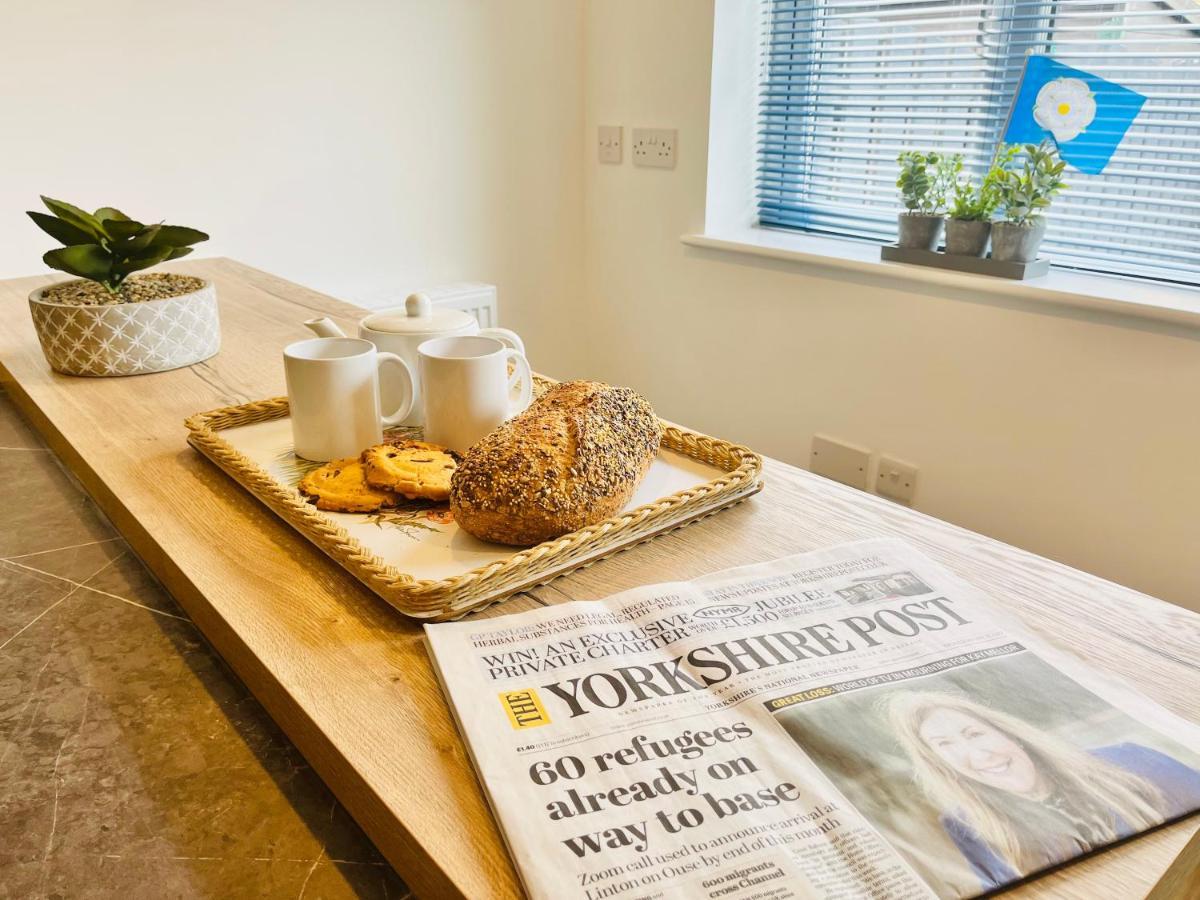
<point>855,722</point>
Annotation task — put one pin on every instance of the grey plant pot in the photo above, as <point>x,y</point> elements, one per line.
<point>128,338</point>
<point>1017,243</point>
<point>918,231</point>
<point>965,237</point>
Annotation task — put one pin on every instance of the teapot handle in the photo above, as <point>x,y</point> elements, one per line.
<point>522,374</point>
<point>509,338</point>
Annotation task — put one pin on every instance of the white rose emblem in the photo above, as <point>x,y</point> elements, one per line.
<point>1065,107</point>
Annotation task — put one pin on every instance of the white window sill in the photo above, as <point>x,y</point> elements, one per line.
<point>1110,293</point>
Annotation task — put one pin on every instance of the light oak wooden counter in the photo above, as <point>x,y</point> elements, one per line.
<point>348,678</point>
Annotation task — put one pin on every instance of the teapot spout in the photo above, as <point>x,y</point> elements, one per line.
<point>324,327</point>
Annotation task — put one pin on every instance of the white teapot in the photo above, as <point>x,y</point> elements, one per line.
<point>402,330</point>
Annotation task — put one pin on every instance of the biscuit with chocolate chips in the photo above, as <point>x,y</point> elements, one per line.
<point>341,486</point>
<point>416,469</point>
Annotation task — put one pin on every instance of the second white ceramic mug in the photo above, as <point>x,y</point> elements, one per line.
<point>333,394</point>
<point>467,389</point>
<point>403,329</point>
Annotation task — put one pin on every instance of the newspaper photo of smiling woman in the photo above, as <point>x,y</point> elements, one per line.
<point>1016,798</point>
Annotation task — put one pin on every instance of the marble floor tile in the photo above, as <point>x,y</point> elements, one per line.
<point>14,432</point>
<point>154,878</point>
<point>133,763</point>
<point>25,598</point>
<point>75,563</point>
<point>125,578</point>
<point>43,508</point>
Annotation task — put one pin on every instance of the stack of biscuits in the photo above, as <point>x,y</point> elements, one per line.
<point>385,476</point>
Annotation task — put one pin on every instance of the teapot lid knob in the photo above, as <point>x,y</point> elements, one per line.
<point>418,306</point>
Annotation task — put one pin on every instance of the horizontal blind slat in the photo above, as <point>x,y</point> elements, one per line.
<point>833,144</point>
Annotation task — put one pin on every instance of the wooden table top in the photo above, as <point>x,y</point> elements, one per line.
<point>348,678</point>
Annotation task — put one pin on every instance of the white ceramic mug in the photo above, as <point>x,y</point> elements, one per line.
<point>333,393</point>
<point>467,389</point>
<point>403,329</point>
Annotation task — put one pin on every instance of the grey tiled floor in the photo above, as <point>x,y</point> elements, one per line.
<point>133,763</point>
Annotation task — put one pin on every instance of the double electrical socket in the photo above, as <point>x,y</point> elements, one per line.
<point>653,147</point>
<point>851,465</point>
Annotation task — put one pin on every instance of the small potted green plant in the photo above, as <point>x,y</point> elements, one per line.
<point>970,223</point>
<point>924,182</point>
<point>111,321</point>
<point>1026,194</point>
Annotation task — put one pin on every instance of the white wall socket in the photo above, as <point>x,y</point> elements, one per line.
<point>840,461</point>
<point>609,143</point>
<point>896,480</point>
<point>655,147</point>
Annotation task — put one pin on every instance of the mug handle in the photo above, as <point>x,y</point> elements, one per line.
<point>504,336</point>
<point>522,374</point>
<point>406,405</point>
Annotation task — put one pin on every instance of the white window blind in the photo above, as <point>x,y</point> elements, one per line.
<point>848,84</point>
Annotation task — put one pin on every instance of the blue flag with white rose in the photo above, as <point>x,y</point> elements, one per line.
<point>1085,114</point>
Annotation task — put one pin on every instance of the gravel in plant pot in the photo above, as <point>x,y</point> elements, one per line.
<point>1026,194</point>
<point>925,180</point>
<point>970,224</point>
<point>111,321</point>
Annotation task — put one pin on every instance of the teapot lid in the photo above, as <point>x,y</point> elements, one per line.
<point>418,316</point>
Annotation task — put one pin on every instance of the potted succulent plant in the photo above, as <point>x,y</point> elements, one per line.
<point>970,222</point>
<point>925,180</point>
<point>112,322</point>
<point>1025,194</point>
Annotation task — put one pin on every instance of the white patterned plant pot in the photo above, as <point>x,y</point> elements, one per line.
<point>128,338</point>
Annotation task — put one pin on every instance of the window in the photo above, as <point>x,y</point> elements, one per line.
<point>848,84</point>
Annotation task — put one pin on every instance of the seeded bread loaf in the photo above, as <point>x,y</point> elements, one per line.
<point>571,459</point>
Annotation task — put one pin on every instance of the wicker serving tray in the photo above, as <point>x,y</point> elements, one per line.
<point>429,569</point>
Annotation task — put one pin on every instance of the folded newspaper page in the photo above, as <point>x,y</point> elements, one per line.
<point>855,722</point>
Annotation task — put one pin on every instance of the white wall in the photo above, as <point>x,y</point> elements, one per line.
<point>1072,434</point>
<point>363,148</point>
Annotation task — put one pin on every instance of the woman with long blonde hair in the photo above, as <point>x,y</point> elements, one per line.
<point>1016,799</point>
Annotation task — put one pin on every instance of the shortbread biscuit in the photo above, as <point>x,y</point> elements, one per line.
<point>416,469</point>
<point>340,486</point>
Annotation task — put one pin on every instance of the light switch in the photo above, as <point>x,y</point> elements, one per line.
<point>609,143</point>
<point>896,480</point>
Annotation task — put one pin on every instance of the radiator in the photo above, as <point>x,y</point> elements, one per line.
<point>474,297</point>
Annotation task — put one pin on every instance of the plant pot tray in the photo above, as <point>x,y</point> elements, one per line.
<point>979,265</point>
<point>430,569</point>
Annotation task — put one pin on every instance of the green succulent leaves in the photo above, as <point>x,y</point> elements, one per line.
<point>107,246</point>
<point>926,179</point>
<point>977,204</point>
<point>85,260</point>
<point>1026,192</point>
<point>61,230</point>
